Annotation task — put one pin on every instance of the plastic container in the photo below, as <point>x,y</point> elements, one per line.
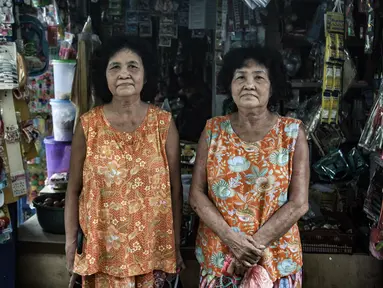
<point>51,219</point>
<point>63,116</point>
<point>58,156</point>
<point>63,74</point>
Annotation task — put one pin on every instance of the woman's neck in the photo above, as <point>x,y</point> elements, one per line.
<point>253,118</point>
<point>126,107</point>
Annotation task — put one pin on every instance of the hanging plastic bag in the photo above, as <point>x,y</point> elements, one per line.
<point>372,135</point>
<point>256,4</point>
<point>369,42</point>
<point>350,19</point>
<point>376,238</point>
<point>313,34</point>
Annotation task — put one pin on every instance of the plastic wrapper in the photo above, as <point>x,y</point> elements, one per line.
<point>67,52</point>
<point>372,135</point>
<point>356,162</point>
<point>369,41</point>
<point>374,197</point>
<point>328,137</point>
<point>256,4</point>
<point>349,71</point>
<point>349,18</point>
<point>314,33</point>
<point>333,166</point>
<point>292,61</point>
<point>309,112</point>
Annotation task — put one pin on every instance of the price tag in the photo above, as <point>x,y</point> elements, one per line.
<point>19,183</point>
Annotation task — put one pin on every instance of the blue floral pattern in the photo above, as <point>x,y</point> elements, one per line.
<point>287,267</point>
<point>292,130</point>
<point>238,164</point>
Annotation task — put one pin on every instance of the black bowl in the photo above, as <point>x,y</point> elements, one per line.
<point>51,219</point>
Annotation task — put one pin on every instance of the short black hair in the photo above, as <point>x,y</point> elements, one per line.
<point>107,50</point>
<point>266,56</point>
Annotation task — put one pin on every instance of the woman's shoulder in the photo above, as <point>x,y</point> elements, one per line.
<point>92,113</point>
<point>217,120</point>
<point>159,114</point>
<point>159,111</point>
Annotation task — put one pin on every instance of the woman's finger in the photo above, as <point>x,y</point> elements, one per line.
<point>253,253</point>
<point>255,243</point>
<point>252,259</point>
<point>247,264</point>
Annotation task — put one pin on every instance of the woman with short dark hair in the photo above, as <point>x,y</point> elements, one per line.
<point>254,165</point>
<point>125,187</point>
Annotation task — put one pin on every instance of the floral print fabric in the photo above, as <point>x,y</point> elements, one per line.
<point>248,183</point>
<point>125,204</point>
<point>156,279</point>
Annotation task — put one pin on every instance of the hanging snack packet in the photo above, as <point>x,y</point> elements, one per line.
<point>356,162</point>
<point>326,106</point>
<point>337,83</point>
<point>333,166</point>
<point>67,51</point>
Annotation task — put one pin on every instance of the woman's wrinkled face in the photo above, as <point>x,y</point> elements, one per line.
<point>125,74</point>
<point>250,86</point>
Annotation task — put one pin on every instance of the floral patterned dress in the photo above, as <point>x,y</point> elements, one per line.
<point>125,204</point>
<point>248,183</point>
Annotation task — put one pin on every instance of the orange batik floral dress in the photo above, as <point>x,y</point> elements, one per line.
<point>248,183</point>
<point>125,205</point>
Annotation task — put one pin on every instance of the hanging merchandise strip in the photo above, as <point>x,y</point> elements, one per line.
<point>16,164</point>
<point>224,19</point>
<point>8,67</point>
<point>370,29</point>
<point>6,12</point>
<point>333,64</point>
<point>237,16</point>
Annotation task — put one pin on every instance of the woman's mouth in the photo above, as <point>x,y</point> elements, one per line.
<point>125,84</point>
<point>248,95</point>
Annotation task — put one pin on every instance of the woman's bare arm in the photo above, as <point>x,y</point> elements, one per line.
<point>242,247</point>
<point>173,155</point>
<point>297,204</point>
<point>199,201</point>
<point>74,186</point>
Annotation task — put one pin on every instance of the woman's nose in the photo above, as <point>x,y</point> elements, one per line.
<point>124,73</point>
<point>250,83</point>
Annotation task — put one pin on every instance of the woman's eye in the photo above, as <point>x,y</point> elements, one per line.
<point>240,77</point>
<point>114,67</point>
<point>132,67</point>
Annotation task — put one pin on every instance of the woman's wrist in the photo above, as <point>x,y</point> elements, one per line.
<point>227,237</point>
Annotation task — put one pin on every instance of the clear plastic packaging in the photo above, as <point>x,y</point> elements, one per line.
<point>256,4</point>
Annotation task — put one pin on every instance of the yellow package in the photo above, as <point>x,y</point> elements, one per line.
<point>337,83</point>
<point>326,107</point>
<point>334,23</point>
<point>328,81</point>
<point>334,107</point>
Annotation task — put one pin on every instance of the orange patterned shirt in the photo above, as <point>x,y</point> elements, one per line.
<point>125,204</point>
<point>248,183</point>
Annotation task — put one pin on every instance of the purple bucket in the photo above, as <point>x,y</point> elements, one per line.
<point>58,156</point>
